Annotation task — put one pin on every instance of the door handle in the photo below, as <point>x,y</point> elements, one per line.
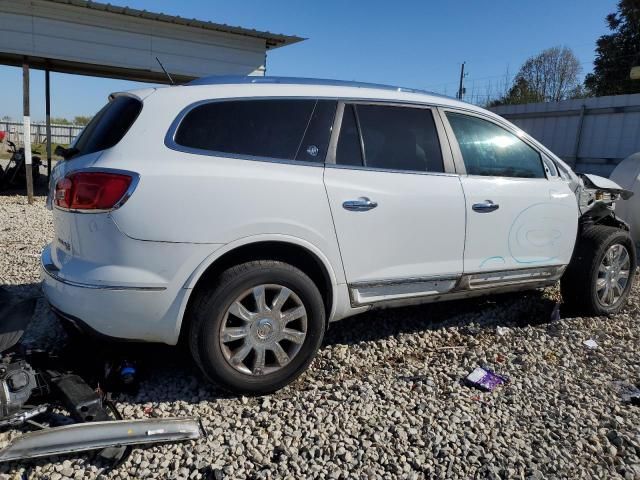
<point>362,204</point>
<point>485,207</point>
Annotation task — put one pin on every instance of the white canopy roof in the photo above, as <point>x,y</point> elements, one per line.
<point>78,36</point>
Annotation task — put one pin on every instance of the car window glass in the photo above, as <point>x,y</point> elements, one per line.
<point>109,125</point>
<point>261,128</point>
<point>313,147</point>
<point>490,150</point>
<point>348,151</point>
<point>399,138</point>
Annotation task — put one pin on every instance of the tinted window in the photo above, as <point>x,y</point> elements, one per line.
<point>399,138</point>
<point>316,139</point>
<point>490,150</point>
<point>283,129</point>
<point>109,125</point>
<point>348,151</point>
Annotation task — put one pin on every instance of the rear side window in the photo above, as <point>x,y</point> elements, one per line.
<point>109,125</point>
<point>287,129</point>
<point>490,150</point>
<point>389,137</point>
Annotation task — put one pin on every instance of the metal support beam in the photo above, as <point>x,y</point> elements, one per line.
<point>576,148</point>
<point>26,134</point>
<point>47,96</point>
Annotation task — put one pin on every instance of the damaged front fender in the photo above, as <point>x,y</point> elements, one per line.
<point>605,184</point>
<point>597,196</point>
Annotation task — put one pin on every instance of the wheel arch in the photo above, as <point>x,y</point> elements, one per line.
<point>292,250</point>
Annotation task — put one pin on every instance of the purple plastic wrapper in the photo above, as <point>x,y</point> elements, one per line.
<point>485,379</point>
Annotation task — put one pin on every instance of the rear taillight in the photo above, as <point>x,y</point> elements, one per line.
<point>91,190</point>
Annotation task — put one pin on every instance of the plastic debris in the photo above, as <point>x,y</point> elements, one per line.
<point>485,379</point>
<point>502,330</point>
<point>590,344</point>
<point>555,313</point>
<point>628,393</point>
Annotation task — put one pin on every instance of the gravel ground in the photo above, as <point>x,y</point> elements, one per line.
<point>384,397</point>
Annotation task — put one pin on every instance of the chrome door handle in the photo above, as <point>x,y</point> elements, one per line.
<point>362,204</point>
<point>485,207</point>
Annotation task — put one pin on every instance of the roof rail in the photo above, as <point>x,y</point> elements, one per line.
<point>231,80</point>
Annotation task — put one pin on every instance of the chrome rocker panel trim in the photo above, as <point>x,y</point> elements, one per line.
<point>413,291</point>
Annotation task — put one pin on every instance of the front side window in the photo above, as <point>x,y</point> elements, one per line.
<point>490,150</point>
<point>389,137</point>
<point>289,129</point>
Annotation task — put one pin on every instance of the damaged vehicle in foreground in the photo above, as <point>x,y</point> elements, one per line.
<point>243,215</point>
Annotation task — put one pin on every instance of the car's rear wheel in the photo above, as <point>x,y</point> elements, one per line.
<point>600,275</point>
<point>258,328</point>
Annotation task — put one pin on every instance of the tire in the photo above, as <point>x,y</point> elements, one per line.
<point>579,285</point>
<point>214,312</point>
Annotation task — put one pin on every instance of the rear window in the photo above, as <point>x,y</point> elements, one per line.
<point>109,125</point>
<point>289,129</point>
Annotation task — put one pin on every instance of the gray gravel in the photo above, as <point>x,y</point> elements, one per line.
<point>384,398</point>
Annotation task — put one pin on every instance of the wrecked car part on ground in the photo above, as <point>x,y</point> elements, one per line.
<point>97,435</point>
<point>101,425</point>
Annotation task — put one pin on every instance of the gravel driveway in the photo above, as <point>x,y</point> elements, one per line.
<point>383,398</point>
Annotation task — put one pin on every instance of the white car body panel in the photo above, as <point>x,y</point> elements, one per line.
<point>602,182</point>
<point>417,229</point>
<point>535,225</point>
<point>130,273</point>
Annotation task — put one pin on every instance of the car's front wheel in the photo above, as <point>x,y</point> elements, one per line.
<point>258,327</point>
<point>600,275</point>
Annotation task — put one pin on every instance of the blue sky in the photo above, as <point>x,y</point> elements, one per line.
<point>414,43</point>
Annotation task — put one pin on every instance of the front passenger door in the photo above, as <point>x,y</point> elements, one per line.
<point>517,218</point>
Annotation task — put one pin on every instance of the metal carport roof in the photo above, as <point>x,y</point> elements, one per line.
<point>92,38</point>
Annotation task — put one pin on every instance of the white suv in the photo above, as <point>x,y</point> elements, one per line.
<point>243,215</point>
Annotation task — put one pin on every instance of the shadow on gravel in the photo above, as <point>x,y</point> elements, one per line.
<point>476,315</point>
<point>39,190</point>
<point>156,364</point>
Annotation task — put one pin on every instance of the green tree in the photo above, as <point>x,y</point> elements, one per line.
<point>550,76</point>
<point>617,53</point>
<point>520,92</point>
<point>60,121</point>
<point>81,119</point>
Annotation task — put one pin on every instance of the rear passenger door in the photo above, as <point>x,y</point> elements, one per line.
<point>519,215</point>
<point>397,207</point>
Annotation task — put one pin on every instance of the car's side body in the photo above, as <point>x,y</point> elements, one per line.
<point>131,272</point>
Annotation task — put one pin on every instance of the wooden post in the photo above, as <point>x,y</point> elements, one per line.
<point>26,134</point>
<point>47,97</point>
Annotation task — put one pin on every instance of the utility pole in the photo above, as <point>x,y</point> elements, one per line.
<point>461,88</point>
